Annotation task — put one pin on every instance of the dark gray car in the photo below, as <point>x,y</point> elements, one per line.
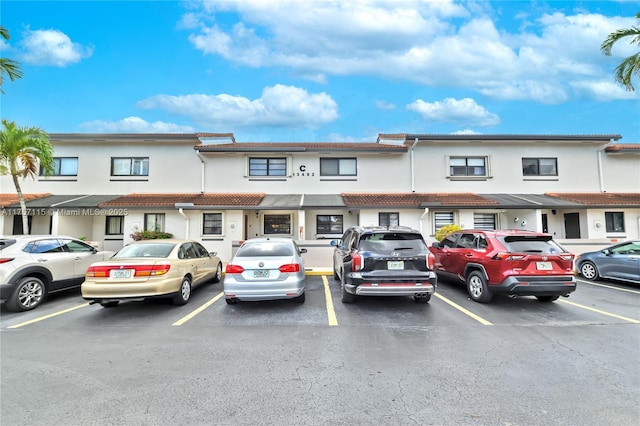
<point>619,262</point>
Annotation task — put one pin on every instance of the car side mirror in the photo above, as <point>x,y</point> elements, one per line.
<point>334,243</point>
<point>303,250</point>
<point>435,245</point>
<point>213,253</point>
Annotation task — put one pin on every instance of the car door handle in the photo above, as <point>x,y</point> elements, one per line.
<point>42,260</point>
<point>468,255</point>
<point>77,258</point>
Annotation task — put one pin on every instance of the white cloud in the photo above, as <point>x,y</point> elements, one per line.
<point>279,106</point>
<point>602,90</point>
<point>466,132</point>
<point>464,111</point>
<point>441,44</point>
<point>384,105</point>
<point>134,125</point>
<point>51,47</point>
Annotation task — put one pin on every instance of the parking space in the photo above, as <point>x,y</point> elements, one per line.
<point>593,303</point>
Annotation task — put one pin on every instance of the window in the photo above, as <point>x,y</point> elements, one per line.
<point>441,219</point>
<point>540,166</point>
<point>388,219</point>
<point>329,224</point>
<point>468,166</point>
<point>154,222</point>
<point>114,225</point>
<point>267,166</point>
<point>212,223</point>
<point>77,246</point>
<point>129,166</point>
<point>338,167</point>
<point>63,166</point>
<point>614,221</point>
<point>277,224</point>
<point>484,221</point>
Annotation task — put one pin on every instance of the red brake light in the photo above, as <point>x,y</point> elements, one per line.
<point>6,259</point>
<point>291,267</point>
<point>98,271</point>
<point>233,269</point>
<point>357,262</point>
<point>140,270</point>
<point>508,256</point>
<point>431,261</point>
<point>151,270</point>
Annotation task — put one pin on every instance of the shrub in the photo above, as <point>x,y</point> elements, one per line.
<point>150,235</point>
<point>446,230</point>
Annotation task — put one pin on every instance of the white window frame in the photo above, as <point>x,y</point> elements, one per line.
<point>487,167</point>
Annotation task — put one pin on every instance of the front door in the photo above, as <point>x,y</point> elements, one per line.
<point>572,225</point>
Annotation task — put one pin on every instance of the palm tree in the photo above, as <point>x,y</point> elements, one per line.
<point>8,66</point>
<point>630,65</point>
<point>22,151</point>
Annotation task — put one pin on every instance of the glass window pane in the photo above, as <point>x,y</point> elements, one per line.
<point>348,166</point>
<point>484,221</point>
<point>114,225</point>
<point>442,219</point>
<point>475,162</point>
<point>68,166</point>
<point>548,167</point>
<point>277,224</point>
<point>530,166</point>
<point>277,166</point>
<point>328,166</point>
<point>212,223</point>
<point>121,166</point>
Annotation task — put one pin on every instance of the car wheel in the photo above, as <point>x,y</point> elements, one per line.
<point>232,301</point>
<point>111,304</point>
<point>547,298</point>
<point>218,276</point>
<point>589,271</point>
<point>345,296</point>
<point>28,294</point>
<point>477,287</point>
<point>183,296</point>
<point>423,298</point>
<point>299,299</point>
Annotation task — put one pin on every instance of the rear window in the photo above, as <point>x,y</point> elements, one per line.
<point>537,244</point>
<point>145,250</point>
<point>392,241</point>
<point>265,249</point>
<point>6,242</point>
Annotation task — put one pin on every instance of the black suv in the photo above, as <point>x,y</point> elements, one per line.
<point>380,261</point>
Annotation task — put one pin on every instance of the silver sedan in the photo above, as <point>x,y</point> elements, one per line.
<point>265,269</point>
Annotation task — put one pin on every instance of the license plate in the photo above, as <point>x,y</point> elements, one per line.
<point>395,264</point>
<point>544,266</point>
<point>261,273</point>
<point>120,273</point>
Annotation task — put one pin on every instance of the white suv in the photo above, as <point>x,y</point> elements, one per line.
<point>32,266</point>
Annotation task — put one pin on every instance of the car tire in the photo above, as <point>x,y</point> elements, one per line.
<point>111,304</point>
<point>299,299</point>
<point>232,301</point>
<point>345,296</point>
<point>184,294</point>
<point>422,299</point>
<point>477,287</point>
<point>29,293</point>
<point>547,298</point>
<point>589,271</point>
<point>218,276</point>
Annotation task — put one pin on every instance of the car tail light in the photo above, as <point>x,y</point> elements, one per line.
<point>291,267</point>
<point>233,269</point>
<point>508,256</point>
<point>151,270</point>
<point>357,262</point>
<point>431,261</point>
<point>568,257</point>
<point>6,259</point>
<point>98,271</point>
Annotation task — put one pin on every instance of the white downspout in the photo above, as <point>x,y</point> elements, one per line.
<point>412,165</point>
<point>187,222</point>
<point>600,176</point>
<point>201,172</point>
<point>422,216</point>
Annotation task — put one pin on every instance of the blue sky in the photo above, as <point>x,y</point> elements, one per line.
<point>320,71</point>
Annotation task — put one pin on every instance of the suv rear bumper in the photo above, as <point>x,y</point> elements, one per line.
<point>390,287</point>
<point>536,286</point>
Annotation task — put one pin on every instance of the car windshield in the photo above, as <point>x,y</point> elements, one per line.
<point>265,249</point>
<point>392,242</point>
<point>542,244</point>
<point>145,250</point>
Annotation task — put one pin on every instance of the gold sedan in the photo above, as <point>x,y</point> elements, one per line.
<point>151,268</point>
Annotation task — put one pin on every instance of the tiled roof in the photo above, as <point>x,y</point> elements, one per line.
<point>415,200</point>
<point>169,200</point>
<point>600,198</point>
<point>8,199</point>
<point>623,147</point>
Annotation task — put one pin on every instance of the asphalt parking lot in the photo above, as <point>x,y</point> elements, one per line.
<point>380,361</point>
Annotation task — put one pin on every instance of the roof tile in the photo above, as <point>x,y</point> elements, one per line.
<point>169,200</point>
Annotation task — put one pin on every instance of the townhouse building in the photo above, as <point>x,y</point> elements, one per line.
<point>583,189</point>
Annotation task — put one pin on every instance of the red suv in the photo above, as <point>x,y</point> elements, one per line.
<point>512,262</point>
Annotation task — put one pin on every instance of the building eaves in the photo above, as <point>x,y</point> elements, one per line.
<point>300,147</point>
<point>600,199</point>
<point>186,138</point>
<point>415,200</point>
<point>619,148</point>
<point>603,139</point>
<point>11,200</point>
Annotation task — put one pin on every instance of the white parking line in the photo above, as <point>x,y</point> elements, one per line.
<point>588,308</point>
<point>608,286</point>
